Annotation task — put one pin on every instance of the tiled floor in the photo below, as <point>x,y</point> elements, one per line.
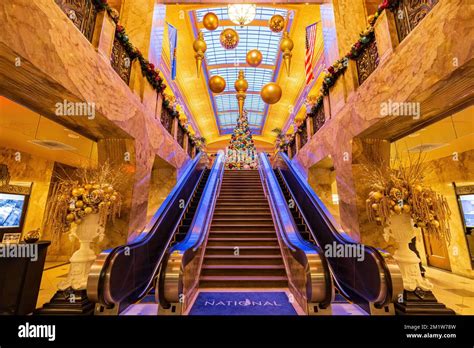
<point>454,291</point>
<point>53,274</point>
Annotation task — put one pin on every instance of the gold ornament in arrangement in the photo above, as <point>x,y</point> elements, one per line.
<point>286,45</point>
<point>254,58</point>
<point>210,21</point>
<point>276,23</point>
<point>200,48</point>
<point>241,85</point>
<point>94,192</point>
<point>271,93</point>
<point>399,189</point>
<point>217,84</point>
<point>229,38</point>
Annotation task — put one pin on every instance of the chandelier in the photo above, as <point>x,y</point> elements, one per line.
<point>242,14</point>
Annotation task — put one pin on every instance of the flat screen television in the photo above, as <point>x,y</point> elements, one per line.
<point>467,209</point>
<point>12,212</point>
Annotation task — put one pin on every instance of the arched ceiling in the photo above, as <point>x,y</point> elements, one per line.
<point>216,115</point>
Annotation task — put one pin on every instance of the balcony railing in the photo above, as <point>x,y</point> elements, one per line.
<point>82,13</point>
<point>120,61</point>
<point>409,13</point>
<point>318,119</point>
<point>166,120</point>
<point>190,148</point>
<point>367,61</point>
<point>293,148</point>
<point>180,135</point>
<point>303,134</point>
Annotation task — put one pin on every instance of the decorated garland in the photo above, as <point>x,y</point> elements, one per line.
<point>334,71</point>
<point>148,69</point>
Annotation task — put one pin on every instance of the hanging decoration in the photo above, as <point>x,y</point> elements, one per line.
<point>217,84</point>
<point>229,38</point>
<point>286,45</point>
<point>241,152</point>
<point>254,58</point>
<point>4,175</point>
<point>276,23</point>
<point>242,14</point>
<point>200,48</point>
<point>241,85</point>
<point>210,21</point>
<point>271,93</point>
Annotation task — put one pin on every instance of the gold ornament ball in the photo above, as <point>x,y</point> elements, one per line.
<point>88,210</point>
<point>217,84</point>
<point>79,204</point>
<point>199,46</point>
<point>229,38</point>
<point>70,217</point>
<point>254,58</point>
<point>271,93</point>
<point>210,21</point>
<point>241,85</point>
<point>76,192</point>
<point>286,43</point>
<point>276,23</point>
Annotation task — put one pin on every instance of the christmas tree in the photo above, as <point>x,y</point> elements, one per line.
<point>241,152</point>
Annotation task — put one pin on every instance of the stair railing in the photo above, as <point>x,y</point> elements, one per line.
<point>178,281</point>
<point>309,278</point>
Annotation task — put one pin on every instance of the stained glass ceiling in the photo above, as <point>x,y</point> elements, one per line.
<point>227,64</point>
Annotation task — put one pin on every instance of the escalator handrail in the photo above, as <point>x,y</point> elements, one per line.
<point>203,216</point>
<point>197,232</point>
<point>96,286</point>
<point>287,226</point>
<point>338,232</point>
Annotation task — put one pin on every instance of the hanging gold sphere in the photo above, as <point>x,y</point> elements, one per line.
<point>229,38</point>
<point>241,84</point>
<point>254,58</point>
<point>200,47</point>
<point>210,21</point>
<point>271,93</point>
<point>217,84</point>
<point>276,23</point>
<point>286,45</point>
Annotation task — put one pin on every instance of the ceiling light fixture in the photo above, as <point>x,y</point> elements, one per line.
<point>242,14</point>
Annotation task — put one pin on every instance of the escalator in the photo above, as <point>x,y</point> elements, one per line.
<point>369,278</point>
<point>243,237</point>
<point>125,274</point>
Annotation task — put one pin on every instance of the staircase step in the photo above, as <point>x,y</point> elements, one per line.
<point>243,282</point>
<point>241,234</point>
<point>251,259</point>
<point>237,242</point>
<point>243,270</point>
<point>243,250</point>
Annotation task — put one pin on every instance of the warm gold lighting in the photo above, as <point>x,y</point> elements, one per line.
<point>242,14</point>
<point>276,23</point>
<point>210,21</point>
<point>229,38</point>
<point>254,58</point>
<point>200,48</point>
<point>241,85</point>
<point>286,45</point>
<point>217,84</point>
<point>271,93</point>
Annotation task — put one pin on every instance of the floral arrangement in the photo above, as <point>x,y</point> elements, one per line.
<point>400,190</point>
<point>87,191</point>
<point>336,69</point>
